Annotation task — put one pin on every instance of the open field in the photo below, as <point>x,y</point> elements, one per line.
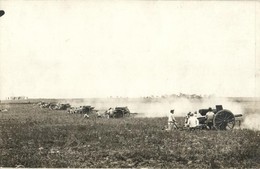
<point>35,137</point>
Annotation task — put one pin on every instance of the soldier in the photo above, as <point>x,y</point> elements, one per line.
<point>209,118</point>
<point>195,114</point>
<point>193,122</point>
<point>109,112</point>
<point>98,114</point>
<point>86,116</point>
<point>171,121</point>
<point>186,119</point>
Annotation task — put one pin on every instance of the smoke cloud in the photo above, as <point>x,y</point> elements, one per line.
<point>160,107</point>
<point>251,121</point>
<point>182,106</point>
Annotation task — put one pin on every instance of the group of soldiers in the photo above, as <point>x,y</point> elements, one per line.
<point>191,120</point>
<point>109,112</point>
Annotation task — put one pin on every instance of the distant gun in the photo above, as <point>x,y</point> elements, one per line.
<point>120,112</point>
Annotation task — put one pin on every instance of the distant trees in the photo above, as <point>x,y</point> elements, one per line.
<point>180,95</point>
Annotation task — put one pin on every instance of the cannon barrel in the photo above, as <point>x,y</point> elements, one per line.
<point>238,115</point>
<point>204,118</point>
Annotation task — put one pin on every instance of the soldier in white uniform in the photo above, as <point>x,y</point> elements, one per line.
<point>209,118</point>
<point>193,122</point>
<point>109,112</point>
<point>171,121</point>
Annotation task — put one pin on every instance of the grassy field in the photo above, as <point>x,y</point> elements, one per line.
<point>35,137</point>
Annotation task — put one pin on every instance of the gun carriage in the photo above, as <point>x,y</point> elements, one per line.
<point>120,112</point>
<point>223,119</point>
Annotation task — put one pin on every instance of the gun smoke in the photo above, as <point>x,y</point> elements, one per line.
<point>160,107</point>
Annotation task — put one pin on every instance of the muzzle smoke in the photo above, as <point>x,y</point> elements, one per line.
<point>160,107</point>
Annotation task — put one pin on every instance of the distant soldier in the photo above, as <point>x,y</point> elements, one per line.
<point>209,118</point>
<point>171,121</point>
<point>86,116</point>
<point>109,112</point>
<point>98,114</point>
<point>193,122</point>
<point>3,110</point>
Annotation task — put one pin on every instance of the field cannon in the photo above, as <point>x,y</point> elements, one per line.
<point>61,106</point>
<point>120,112</point>
<point>81,110</point>
<point>223,119</point>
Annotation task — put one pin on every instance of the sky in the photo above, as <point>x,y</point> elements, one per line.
<point>83,49</point>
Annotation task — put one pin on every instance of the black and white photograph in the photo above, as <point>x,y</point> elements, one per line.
<point>129,84</point>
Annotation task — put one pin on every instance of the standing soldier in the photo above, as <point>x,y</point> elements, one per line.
<point>171,121</point>
<point>186,119</point>
<point>209,118</point>
<point>109,112</point>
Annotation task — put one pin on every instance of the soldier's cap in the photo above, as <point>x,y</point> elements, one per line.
<point>172,111</point>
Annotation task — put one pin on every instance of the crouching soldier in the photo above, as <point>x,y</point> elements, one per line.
<point>86,116</point>
<point>98,114</point>
<point>193,122</point>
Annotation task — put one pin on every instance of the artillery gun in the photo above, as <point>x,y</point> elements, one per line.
<point>120,112</point>
<point>62,106</point>
<point>85,109</point>
<point>81,110</point>
<point>223,119</point>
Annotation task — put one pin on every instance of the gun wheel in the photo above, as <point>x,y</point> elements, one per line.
<point>224,120</point>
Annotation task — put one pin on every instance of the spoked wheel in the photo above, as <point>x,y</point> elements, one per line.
<point>224,120</point>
